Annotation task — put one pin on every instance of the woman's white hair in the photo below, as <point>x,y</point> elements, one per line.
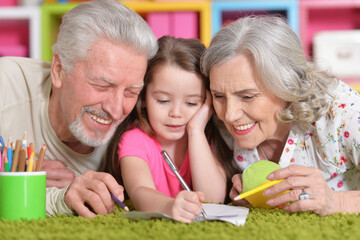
<point>280,63</point>
<point>101,19</point>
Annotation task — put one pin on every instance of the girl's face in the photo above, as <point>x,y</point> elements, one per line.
<point>172,98</point>
<point>247,110</point>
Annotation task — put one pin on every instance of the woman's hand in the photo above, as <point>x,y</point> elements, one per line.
<point>186,206</point>
<point>202,116</point>
<point>236,190</point>
<point>301,179</point>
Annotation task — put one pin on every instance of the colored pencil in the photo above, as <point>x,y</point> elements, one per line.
<point>4,153</point>
<point>6,164</point>
<point>28,150</point>
<point>31,163</point>
<point>9,153</point>
<point>32,147</point>
<point>120,203</point>
<point>15,161</point>
<point>22,160</point>
<point>24,141</point>
<point>1,163</point>
<point>41,158</point>
<point>2,141</point>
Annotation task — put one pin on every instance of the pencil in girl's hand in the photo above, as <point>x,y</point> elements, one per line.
<point>31,163</point>
<point>120,203</point>
<point>41,158</point>
<point>22,160</point>
<point>15,161</point>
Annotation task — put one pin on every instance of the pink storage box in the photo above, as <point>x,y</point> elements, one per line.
<point>159,23</point>
<point>185,25</point>
<point>176,24</point>
<point>8,2</point>
<point>13,50</point>
<point>180,0</point>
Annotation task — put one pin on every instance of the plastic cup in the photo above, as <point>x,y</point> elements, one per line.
<point>22,195</point>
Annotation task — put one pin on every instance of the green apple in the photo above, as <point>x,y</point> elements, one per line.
<point>256,173</point>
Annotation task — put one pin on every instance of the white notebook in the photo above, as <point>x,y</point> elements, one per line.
<point>215,212</point>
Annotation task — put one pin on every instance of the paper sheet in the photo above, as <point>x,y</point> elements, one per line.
<point>220,212</point>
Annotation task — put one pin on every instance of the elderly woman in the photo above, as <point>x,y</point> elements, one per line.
<point>277,106</point>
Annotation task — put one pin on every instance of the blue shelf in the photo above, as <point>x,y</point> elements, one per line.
<point>290,7</point>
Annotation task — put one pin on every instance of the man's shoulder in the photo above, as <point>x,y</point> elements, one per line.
<point>22,61</point>
<point>15,68</point>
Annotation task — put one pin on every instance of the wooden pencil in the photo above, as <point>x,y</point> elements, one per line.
<point>24,141</point>
<point>41,158</point>
<point>9,152</point>
<point>15,161</point>
<point>31,163</point>
<point>32,147</point>
<point>4,153</point>
<point>1,161</point>
<point>6,164</point>
<point>22,160</point>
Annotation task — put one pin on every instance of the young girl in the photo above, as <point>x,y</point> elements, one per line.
<point>171,114</point>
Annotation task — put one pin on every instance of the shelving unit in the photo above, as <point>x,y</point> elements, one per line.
<point>328,15</point>
<point>289,8</point>
<point>321,15</point>
<point>52,13</point>
<point>23,25</point>
<point>50,21</point>
<point>33,30</point>
<point>201,7</point>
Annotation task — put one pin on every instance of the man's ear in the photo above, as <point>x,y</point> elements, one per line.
<point>57,72</point>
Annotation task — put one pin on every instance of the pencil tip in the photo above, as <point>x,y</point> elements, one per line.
<point>237,198</point>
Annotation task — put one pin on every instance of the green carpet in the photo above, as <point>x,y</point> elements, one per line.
<point>260,224</point>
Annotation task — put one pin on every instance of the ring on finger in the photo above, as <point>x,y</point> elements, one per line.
<point>303,195</point>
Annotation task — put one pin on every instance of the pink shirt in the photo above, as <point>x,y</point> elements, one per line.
<point>136,143</point>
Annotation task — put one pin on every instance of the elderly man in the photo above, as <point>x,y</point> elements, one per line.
<point>74,104</point>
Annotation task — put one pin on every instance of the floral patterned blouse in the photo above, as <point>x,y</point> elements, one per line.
<point>333,145</point>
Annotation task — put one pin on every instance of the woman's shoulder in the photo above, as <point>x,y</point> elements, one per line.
<point>345,93</point>
<point>346,100</point>
<point>343,112</point>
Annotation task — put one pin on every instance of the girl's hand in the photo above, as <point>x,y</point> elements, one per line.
<point>186,206</point>
<point>236,190</point>
<point>202,116</point>
<point>301,179</point>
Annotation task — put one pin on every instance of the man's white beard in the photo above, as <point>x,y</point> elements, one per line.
<point>77,129</point>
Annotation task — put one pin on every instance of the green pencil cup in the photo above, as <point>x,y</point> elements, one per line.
<point>22,195</point>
